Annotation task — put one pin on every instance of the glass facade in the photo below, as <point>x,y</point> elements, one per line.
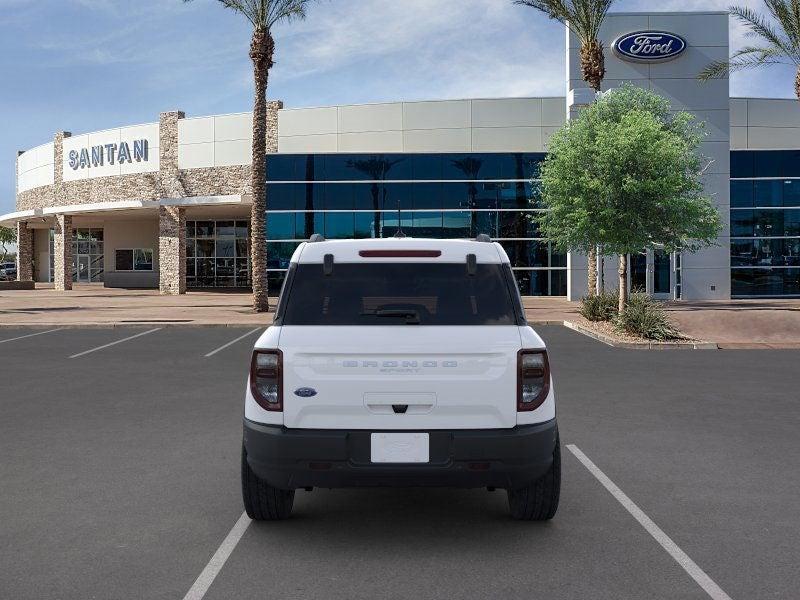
<point>217,254</point>
<point>345,196</point>
<point>765,223</point>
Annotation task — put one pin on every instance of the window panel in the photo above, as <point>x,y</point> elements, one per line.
<point>226,248</point>
<point>339,225</point>
<point>308,223</point>
<point>742,194</point>
<point>427,225</point>
<point>453,195</point>
<point>282,167</point>
<point>791,192</point>
<point>742,164</point>
<point>280,226</point>
<point>143,259</point>
<point>339,196</point>
<point>283,196</point>
<point>457,224</point>
<point>768,163</point>
<point>768,193</point>
<point>365,225</point>
<point>426,166</point>
<point>279,254</point>
<point>204,229</point>
<point>396,194</point>
<point>226,228</point>
<point>123,260</point>
<point>765,282</point>
<point>423,195</point>
<point>367,196</point>
<point>205,248</point>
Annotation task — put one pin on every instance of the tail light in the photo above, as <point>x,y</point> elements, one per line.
<point>533,379</point>
<point>266,379</point>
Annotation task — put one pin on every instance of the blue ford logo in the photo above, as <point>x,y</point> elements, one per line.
<point>649,46</point>
<point>305,392</point>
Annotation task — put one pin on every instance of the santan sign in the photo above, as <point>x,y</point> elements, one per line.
<point>97,156</point>
<point>649,46</point>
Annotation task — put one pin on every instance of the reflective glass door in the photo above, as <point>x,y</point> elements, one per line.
<point>83,269</point>
<point>662,269</point>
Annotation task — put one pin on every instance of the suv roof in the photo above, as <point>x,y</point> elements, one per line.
<point>451,250</point>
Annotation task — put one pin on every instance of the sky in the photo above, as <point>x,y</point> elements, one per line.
<point>86,65</point>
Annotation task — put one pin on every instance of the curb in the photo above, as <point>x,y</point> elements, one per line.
<point>640,345</point>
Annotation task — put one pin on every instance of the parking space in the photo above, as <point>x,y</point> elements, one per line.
<point>120,480</point>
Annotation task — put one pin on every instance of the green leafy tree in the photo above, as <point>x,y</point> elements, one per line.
<point>778,40</point>
<point>263,15</point>
<point>584,19</point>
<point>626,174</point>
<point>8,236</point>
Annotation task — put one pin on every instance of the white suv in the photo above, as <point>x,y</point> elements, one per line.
<point>400,362</point>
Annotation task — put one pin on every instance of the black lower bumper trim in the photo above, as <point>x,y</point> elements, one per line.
<point>298,458</point>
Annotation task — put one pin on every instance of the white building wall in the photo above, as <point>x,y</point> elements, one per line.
<point>35,167</point>
<point>765,124</point>
<point>481,125</point>
<point>87,141</point>
<point>706,275</point>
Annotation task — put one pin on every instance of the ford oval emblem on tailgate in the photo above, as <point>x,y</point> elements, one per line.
<point>305,392</point>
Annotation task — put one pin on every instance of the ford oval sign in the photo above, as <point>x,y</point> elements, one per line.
<point>305,392</point>
<point>649,46</point>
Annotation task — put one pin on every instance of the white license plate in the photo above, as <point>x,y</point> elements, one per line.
<point>400,447</point>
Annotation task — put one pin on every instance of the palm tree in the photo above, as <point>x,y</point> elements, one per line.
<point>263,15</point>
<point>779,41</point>
<point>376,168</point>
<point>584,19</point>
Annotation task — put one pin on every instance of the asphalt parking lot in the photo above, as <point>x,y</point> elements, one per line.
<point>119,478</point>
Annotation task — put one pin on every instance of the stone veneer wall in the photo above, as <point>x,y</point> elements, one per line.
<point>169,182</point>
<point>62,251</point>
<point>172,250</point>
<point>24,252</point>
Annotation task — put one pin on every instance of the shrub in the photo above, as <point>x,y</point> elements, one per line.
<point>602,307</point>
<point>645,318</point>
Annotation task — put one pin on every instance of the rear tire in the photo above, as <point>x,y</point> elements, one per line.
<point>262,502</point>
<point>539,500</point>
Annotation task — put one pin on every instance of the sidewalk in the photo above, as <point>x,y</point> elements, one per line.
<point>89,305</point>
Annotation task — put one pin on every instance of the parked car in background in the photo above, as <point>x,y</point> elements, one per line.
<point>8,271</point>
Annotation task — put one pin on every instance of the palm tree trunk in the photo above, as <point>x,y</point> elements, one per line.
<point>797,84</point>
<point>623,282</point>
<point>593,67</point>
<point>593,70</point>
<point>261,52</point>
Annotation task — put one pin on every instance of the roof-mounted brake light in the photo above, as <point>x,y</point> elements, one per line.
<point>400,253</point>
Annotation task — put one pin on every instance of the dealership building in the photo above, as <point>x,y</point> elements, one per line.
<point>167,204</point>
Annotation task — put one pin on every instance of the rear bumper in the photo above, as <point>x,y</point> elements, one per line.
<point>297,458</point>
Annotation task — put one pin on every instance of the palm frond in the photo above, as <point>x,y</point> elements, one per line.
<point>746,58</point>
<point>583,17</point>
<point>759,26</point>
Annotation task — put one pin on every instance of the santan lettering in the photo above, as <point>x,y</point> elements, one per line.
<point>644,44</point>
<point>97,156</point>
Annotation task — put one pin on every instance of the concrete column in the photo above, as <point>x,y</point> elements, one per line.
<point>62,250</point>
<point>24,252</point>
<point>172,250</point>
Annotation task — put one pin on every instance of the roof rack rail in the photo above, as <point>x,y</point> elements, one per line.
<point>482,237</point>
<point>317,237</point>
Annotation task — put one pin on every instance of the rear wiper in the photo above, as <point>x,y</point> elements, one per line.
<point>411,316</point>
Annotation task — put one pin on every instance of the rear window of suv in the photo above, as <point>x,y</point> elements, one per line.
<point>399,294</point>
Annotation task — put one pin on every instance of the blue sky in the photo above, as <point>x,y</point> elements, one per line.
<point>84,65</point>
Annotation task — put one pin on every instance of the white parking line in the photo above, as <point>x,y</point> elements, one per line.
<point>232,342</point>
<point>115,343</point>
<point>695,572</point>
<point>214,566</point>
<point>22,337</point>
